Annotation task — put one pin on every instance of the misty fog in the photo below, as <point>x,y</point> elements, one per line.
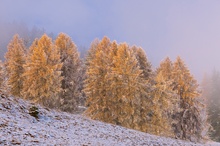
<point>162,28</point>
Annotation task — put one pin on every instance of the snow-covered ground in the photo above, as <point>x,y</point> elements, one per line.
<point>18,127</point>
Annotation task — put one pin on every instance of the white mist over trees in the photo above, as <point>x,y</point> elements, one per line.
<point>211,95</point>
<point>28,34</point>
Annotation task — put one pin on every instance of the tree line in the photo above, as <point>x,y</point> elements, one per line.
<point>115,82</point>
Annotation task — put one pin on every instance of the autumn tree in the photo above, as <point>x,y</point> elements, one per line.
<point>188,123</point>
<point>157,118</point>
<point>143,62</point>
<point>97,67</point>
<point>165,68</point>
<point>185,85</point>
<point>127,89</point>
<point>69,54</point>
<point>165,80</point>
<point>91,52</point>
<point>162,104</point>
<point>43,72</point>
<point>117,87</point>
<point>14,61</point>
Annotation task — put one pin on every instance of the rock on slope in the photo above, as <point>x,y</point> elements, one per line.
<point>18,127</point>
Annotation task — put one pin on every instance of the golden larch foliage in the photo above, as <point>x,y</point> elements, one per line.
<point>98,65</point>
<point>185,85</point>
<point>43,72</point>
<point>14,61</point>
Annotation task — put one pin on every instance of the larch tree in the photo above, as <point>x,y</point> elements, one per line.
<point>27,77</point>
<point>14,61</point>
<point>149,109</point>
<point>165,81</point>
<point>127,89</point>
<point>43,73</point>
<point>91,52</point>
<point>163,99</point>
<point>114,86</point>
<point>143,62</point>
<point>97,67</point>
<point>185,85</point>
<point>88,62</point>
<point>165,68</point>
<point>70,59</point>
<point>157,99</point>
<point>188,123</point>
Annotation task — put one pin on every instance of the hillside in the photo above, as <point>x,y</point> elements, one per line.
<point>18,127</point>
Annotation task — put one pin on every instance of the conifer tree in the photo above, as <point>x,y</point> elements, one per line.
<point>69,54</point>
<point>82,77</point>
<point>185,85</point>
<point>91,52</point>
<point>3,87</point>
<point>211,92</point>
<point>204,110</point>
<point>143,62</point>
<point>149,109</point>
<point>127,89</point>
<point>160,104</point>
<point>97,67</point>
<point>188,118</point>
<point>119,87</point>
<point>43,72</point>
<point>165,81</point>
<point>165,68</point>
<point>15,59</point>
<point>155,116</point>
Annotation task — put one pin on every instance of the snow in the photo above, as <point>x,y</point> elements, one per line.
<point>18,127</point>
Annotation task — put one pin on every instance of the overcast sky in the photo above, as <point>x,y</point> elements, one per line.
<point>189,28</point>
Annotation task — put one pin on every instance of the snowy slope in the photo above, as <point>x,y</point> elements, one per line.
<point>17,127</point>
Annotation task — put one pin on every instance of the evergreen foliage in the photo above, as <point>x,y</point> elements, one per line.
<point>14,61</point>
<point>69,54</point>
<point>43,72</point>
